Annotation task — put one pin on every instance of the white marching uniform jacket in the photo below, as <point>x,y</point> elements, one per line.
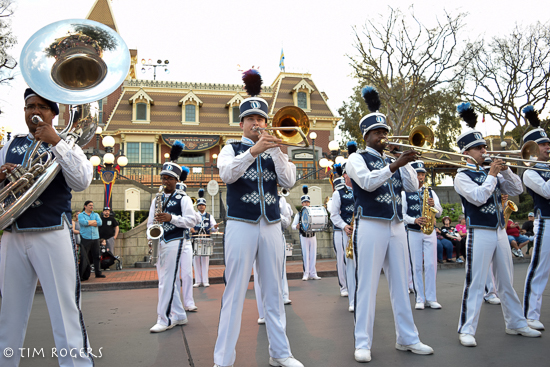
<point>485,245</point>
<point>380,243</point>
<point>539,267</point>
<point>28,256</point>
<point>253,238</point>
<point>422,250</point>
<point>170,254</point>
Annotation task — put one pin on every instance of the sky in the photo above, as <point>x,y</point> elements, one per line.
<point>209,41</point>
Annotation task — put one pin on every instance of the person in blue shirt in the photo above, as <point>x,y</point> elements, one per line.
<point>89,221</point>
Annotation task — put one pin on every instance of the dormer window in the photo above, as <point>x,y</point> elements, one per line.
<point>301,95</point>
<point>141,107</point>
<point>141,111</point>
<point>233,108</point>
<point>190,106</point>
<point>190,113</point>
<point>302,100</point>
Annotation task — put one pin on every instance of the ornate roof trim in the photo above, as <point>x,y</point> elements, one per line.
<point>102,12</point>
<point>141,94</point>
<point>190,97</point>
<point>236,98</point>
<point>303,85</point>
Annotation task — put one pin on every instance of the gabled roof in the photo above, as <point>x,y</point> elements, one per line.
<point>192,97</point>
<point>103,13</point>
<point>303,85</point>
<point>237,98</point>
<point>141,94</point>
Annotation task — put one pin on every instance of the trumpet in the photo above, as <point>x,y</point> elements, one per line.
<point>422,138</point>
<point>291,125</point>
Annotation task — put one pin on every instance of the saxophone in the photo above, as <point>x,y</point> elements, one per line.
<point>349,249</point>
<point>429,213</point>
<point>510,207</point>
<point>155,232</point>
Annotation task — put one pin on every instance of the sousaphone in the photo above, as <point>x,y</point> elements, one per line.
<point>74,62</point>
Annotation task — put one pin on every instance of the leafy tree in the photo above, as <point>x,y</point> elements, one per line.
<point>7,41</point>
<point>407,61</point>
<point>508,73</point>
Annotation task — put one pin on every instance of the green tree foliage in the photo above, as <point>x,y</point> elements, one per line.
<point>452,211</point>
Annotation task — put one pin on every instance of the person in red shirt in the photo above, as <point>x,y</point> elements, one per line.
<point>517,240</point>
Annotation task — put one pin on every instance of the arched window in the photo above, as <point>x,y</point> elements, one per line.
<point>190,113</point>
<point>302,100</point>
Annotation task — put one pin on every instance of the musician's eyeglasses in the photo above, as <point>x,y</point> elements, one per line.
<point>34,107</point>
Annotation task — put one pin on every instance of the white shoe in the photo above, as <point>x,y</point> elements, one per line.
<point>515,252</point>
<point>304,277</point>
<point>315,277</point>
<point>287,301</point>
<point>520,253</point>
<point>493,300</point>
<point>217,365</point>
<point>350,309</point>
<point>206,284</point>
<point>419,305</point>
<point>285,362</point>
<point>535,324</point>
<point>158,328</point>
<point>344,294</point>
<point>261,321</point>
<point>196,285</point>
<point>524,331</point>
<point>418,348</point>
<point>177,322</point>
<point>433,304</point>
<point>362,355</point>
<point>191,308</point>
<point>467,340</point>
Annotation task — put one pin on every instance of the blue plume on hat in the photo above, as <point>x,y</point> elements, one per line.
<point>352,146</point>
<point>468,114</point>
<point>532,116</point>
<point>252,82</point>
<point>201,193</point>
<point>371,97</point>
<point>176,150</point>
<point>305,190</point>
<point>338,169</point>
<point>184,173</point>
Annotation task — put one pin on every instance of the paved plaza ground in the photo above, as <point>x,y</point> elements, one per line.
<point>319,327</point>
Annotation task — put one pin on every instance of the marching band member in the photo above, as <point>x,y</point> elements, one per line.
<point>308,241</point>
<point>204,227</point>
<point>422,247</point>
<point>286,216</point>
<point>380,240</point>
<point>177,217</point>
<point>487,241</point>
<point>39,244</point>
<point>341,213</point>
<point>538,186</point>
<point>251,168</point>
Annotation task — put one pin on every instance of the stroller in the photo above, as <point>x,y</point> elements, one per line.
<point>107,259</point>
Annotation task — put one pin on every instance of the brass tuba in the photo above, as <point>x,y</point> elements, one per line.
<point>74,62</point>
<point>291,125</point>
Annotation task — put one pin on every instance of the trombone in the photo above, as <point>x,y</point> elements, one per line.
<point>422,138</point>
<point>291,125</point>
<point>529,153</point>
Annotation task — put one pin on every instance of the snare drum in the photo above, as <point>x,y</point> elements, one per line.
<point>314,218</point>
<point>203,246</point>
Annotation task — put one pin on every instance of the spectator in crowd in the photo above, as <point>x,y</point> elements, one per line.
<point>443,243</point>
<point>450,234</point>
<point>109,229</point>
<point>462,231</point>
<point>517,240</point>
<point>89,222</point>
<point>527,227</point>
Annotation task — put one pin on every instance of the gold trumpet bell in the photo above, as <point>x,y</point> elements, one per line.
<point>291,125</point>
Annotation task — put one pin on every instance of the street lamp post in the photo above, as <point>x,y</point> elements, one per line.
<point>9,130</point>
<point>214,157</point>
<point>108,174</point>
<point>313,136</point>
<point>154,66</point>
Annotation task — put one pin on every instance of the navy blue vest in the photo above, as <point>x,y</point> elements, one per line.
<point>172,204</point>
<point>542,205</point>
<point>53,206</point>
<point>204,225</point>
<point>347,206</point>
<point>414,206</point>
<point>488,215</point>
<point>254,194</point>
<point>385,201</point>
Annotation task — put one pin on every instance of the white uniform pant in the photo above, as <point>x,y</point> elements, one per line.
<point>258,288</point>
<point>186,272</point>
<point>490,288</point>
<point>51,257</point>
<point>340,249</point>
<point>484,246</point>
<point>538,271</point>
<point>170,308</point>
<point>423,249</point>
<point>245,243</point>
<point>381,244</point>
<point>350,272</point>
<point>201,269</point>
<point>309,255</point>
